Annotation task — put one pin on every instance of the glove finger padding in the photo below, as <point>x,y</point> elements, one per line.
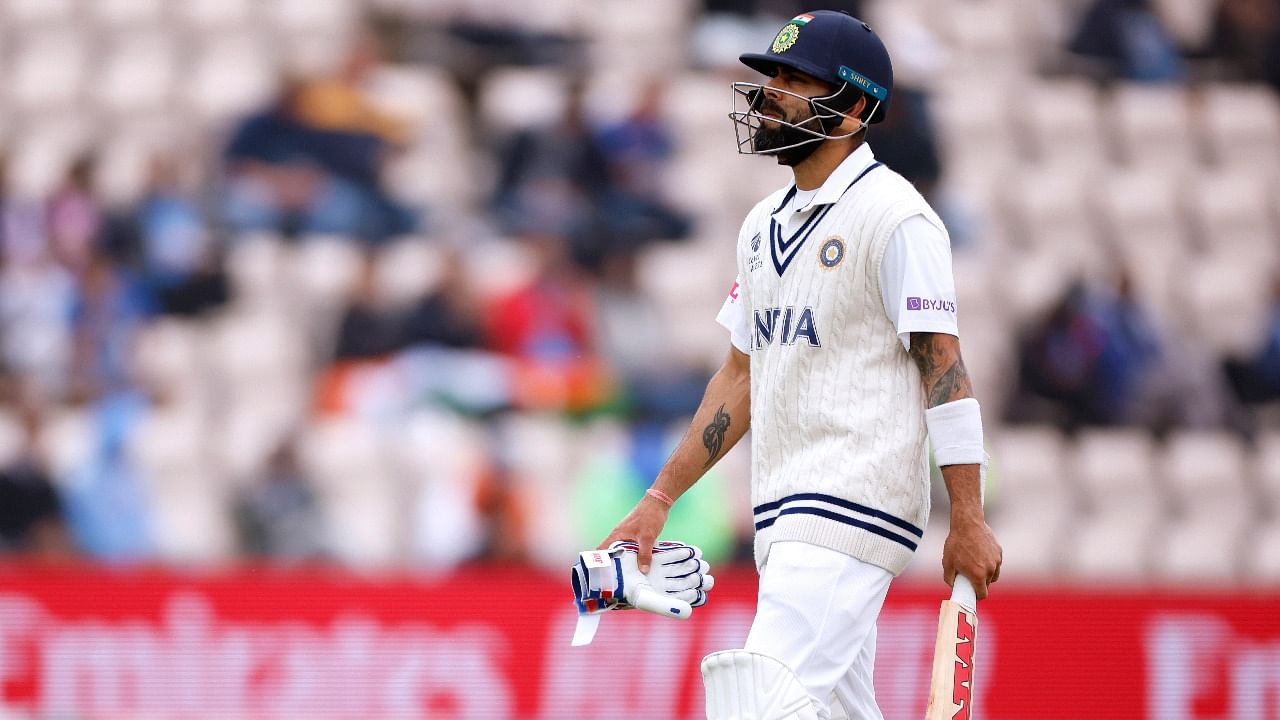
<point>690,576</point>
<point>676,566</point>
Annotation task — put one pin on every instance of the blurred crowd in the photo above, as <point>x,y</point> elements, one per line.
<point>532,318</point>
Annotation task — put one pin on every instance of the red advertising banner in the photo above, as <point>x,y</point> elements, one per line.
<point>268,643</point>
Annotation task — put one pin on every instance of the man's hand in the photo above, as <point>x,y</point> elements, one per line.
<point>642,526</point>
<point>972,551</point>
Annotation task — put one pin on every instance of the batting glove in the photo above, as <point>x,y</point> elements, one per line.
<point>605,580</point>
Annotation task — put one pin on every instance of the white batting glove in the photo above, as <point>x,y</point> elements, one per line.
<point>677,570</point>
<point>605,580</point>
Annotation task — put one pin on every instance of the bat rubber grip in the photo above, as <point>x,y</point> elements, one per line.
<point>650,600</point>
<point>962,593</point>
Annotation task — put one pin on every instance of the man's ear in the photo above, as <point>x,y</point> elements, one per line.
<point>853,122</point>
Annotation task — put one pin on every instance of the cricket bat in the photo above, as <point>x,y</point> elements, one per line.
<point>951,690</point>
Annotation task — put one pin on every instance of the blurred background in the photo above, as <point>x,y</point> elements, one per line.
<point>425,288</point>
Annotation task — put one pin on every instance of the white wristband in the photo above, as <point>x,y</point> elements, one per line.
<point>955,432</point>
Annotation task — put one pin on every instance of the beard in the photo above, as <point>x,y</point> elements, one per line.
<point>769,140</point>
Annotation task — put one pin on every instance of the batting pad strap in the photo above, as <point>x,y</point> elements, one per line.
<point>955,432</point>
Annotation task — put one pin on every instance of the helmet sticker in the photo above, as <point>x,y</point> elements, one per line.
<point>787,37</point>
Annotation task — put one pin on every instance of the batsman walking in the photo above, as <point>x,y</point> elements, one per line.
<point>845,362</point>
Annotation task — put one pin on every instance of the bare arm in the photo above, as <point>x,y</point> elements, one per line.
<point>720,422</point>
<point>971,548</point>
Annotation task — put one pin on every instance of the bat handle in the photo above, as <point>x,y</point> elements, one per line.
<point>962,593</point>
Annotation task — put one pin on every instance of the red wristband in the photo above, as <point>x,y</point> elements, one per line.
<point>660,496</point>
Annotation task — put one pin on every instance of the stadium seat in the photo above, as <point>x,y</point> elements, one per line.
<point>326,269</point>
<point>254,352</point>
<point>1113,549</point>
<point>1241,124</point>
<point>1115,466</point>
<point>358,497</point>
<point>169,358</point>
<point>630,36</point>
<point>540,94</point>
<point>408,269</point>
<point>1047,208</point>
<point>1200,551</point>
<point>1189,22</point>
<point>67,440</point>
<point>311,17</point>
<point>442,458</point>
<point>48,70</point>
<point>37,12</point>
<point>1145,230</point>
<point>974,118</point>
<point>1032,500</point>
<point>1152,125</point>
<point>543,455</point>
<point>1062,122</point>
<point>255,266</point>
<point>126,13</point>
<point>1266,470</point>
<point>1222,294</point>
<point>249,430</point>
<point>1262,555</point>
<point>185,490</point>
<point>138,74</point>
<point>213,15</point>
<point>1036,280</point>
<point>1205,472</point>
<point>1231,211</point>
<point>1112,541</point>
<point>985,38</point>
<point>231,74</point>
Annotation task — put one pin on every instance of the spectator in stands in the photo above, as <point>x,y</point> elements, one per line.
<point>37,297</point>
<point>447,316</point>
<point>110,307</point>
<point>1128,40</point>
<point>1057,360</point>
<point>1102,358</point>
<point>546,327</point>
<point>312,162</point>
<point>277,514</point>
<point>1246,33</point>
<point>369,327</point>
<point>31,516</point>
<point>548,319</point>
<point>554,179</point>
<point>178,256</point>
<point>1256,380</point>
<point>75,218</point>
<point>635,209</point>
<point>1132,354</point>
<point>502,511</point>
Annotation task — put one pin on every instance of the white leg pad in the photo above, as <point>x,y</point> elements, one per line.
<point>744,685</point>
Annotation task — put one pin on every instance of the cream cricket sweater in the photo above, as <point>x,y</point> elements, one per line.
<point>839,453</point>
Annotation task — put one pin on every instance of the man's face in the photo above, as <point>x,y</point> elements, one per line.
<point>782,106</point>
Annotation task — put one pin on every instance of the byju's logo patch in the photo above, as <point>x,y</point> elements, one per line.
<point>917,303</point>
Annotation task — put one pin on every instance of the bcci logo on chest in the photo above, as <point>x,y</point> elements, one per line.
<point>787,325</point>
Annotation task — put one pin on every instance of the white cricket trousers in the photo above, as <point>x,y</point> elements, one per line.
<point>817,614</point>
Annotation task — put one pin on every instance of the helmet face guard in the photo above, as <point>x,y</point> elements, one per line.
<point>747,119</point>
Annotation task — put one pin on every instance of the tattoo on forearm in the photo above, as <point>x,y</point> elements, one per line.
<point>713,435</point>
<point>941,369</point>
